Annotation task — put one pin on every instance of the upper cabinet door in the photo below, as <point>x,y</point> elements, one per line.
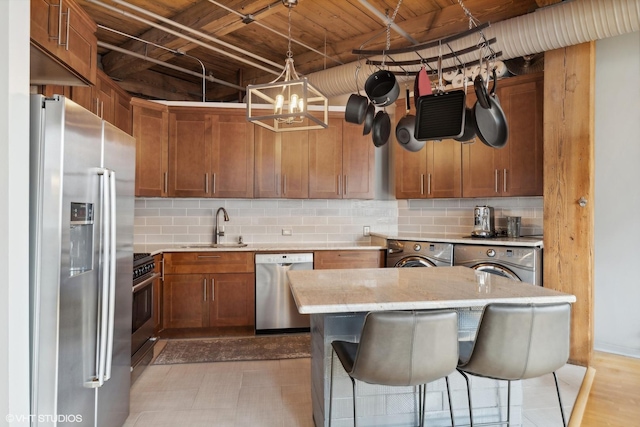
<point>267,163</point>
<point>190,142</point>
<point>232,155</point>
<point>358,163</point>
<point>522,168</point>
<point>295,164</point>
<point>444,169</point>
<point>151,131</point>
<point>325,161</point>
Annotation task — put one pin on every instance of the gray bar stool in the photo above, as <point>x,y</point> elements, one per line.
<point>516,342</point>
<point>401,348</point>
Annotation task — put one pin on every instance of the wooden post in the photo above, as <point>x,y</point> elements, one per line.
<point>569,97</point>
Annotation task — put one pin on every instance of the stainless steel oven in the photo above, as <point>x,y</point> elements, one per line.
<point>142,327</point>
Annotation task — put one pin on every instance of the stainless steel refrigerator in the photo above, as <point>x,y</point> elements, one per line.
<point>82,173</point>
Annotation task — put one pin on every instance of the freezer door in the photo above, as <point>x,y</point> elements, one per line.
<point>118,156</point>
<point>65,220</point>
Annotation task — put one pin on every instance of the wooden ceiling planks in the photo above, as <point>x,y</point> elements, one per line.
<point>337,26</point>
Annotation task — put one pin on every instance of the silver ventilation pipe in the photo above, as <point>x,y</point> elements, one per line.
<point>553,27</point>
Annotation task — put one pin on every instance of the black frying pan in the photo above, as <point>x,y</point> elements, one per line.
<point>491,123</point>
<point>381,128</point>
<point>356,109</point>
<point>368,119</point>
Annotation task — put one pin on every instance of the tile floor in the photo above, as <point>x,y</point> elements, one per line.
<point>278,393</point>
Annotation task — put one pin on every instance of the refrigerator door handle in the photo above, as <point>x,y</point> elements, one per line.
<point>112,272</point>
<point>101,334</point>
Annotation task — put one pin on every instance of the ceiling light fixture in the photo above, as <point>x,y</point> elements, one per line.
<point>290,102</point>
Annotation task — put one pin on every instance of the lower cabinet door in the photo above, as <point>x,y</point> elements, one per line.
<point>185,301</point>
<point>233,302</point>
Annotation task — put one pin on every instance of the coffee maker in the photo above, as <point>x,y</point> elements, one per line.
<point>483,222</point>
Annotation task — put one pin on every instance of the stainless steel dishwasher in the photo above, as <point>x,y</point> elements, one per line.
<point>276,311</point>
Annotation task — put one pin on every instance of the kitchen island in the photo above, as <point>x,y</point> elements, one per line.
<point>338,301</point>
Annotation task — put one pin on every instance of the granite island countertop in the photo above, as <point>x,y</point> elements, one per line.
<point>362,290</point>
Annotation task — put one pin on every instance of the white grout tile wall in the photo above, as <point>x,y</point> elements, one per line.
<point>159,222</point>
<point>163,221</point>
<point>454,217</point>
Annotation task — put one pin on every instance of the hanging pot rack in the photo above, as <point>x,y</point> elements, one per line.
<point>388,61</point>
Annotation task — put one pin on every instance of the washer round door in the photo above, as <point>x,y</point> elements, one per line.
<point>414,261</point>
<point>498,270</point>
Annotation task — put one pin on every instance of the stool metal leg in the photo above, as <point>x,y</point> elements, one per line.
<point>423,399</point>
<point>453,423</point>
<point>355,417</point>
<point>508,404</point>
<point>466,378</point>
<point>331,386</point>
<point>564,422</point>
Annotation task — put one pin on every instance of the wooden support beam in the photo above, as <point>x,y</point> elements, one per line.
<point>569,99</point>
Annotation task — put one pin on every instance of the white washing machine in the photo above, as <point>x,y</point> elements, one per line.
<point>515,262</point>
<point>405,253</point>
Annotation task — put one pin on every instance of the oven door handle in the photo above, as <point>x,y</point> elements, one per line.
<point>145,282</point>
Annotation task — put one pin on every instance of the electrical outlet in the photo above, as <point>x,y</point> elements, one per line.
<point>286,232</point>
<point>366,230</point>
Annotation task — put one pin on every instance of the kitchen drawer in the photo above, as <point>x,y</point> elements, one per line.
<point>208,262</point>
<point>348,259</point>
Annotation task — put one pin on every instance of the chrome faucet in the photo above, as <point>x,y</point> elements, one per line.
<point>216,231</point>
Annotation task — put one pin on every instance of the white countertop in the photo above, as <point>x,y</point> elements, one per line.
<point>362,290</point>
<point>525,241</point>
<point>266,247</point>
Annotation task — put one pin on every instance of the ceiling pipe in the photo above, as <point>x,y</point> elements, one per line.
<point>185,37</point>
<point>553,27</point>
<point>167,65</point>
<point>387,21</point>
<point>198,33</point>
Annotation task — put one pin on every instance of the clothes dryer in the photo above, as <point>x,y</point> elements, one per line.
<point>406,253</point>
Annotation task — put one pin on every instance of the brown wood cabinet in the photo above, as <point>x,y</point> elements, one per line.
<point>348,259</point>
<point>151,131</point>
<point>516,169</point>
<point>208,289</point>
<point>210,153</point>
<point>64,32</point>
<point>433,172</point>
<point>107,100</point>
<point>341,162</point>
<point>281,164</point>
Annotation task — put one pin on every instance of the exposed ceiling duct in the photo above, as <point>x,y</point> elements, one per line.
<point>561,25</point>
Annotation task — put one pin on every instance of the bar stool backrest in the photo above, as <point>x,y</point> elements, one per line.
<point>404,348</point>
<point>519,341</point>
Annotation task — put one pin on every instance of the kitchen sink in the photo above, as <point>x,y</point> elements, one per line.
<point>216,245</point>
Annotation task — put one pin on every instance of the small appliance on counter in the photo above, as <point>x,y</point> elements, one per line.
<point>483,222</point>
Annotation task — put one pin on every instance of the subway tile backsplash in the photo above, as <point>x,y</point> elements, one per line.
<point>160,222</point>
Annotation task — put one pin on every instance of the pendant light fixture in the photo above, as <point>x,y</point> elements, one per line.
<point>290,102</point>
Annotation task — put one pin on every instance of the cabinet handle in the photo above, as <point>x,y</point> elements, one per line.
<point>213,185</point>
<point>213,289</point>
<point>206,183</point>
<point>208,256</point>
<point>59,6</point>
<point>284,184</point>
<point>504,180</point>
<point>97,106</point>
<point>428,183</point>
<point>421,183</point>
<point>346,185</point>
<point>277,184</point>
<point>165,182</point>
<point>101,109</point>
<point>339,184</point>
<point>495,178</point>
<point>204,287</point>
<point>66,42</point>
